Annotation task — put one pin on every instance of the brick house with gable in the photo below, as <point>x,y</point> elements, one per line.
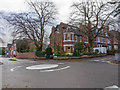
<point>66,35</point>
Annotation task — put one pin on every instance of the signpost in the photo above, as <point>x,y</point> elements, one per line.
<point>34,53</point>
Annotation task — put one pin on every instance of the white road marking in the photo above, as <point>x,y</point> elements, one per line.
<point>15,68</point>
<point>114,86</point>
<point>60,63</point>
<point>55,69</point>
<point>42,66</point>
<point>103,61</point>
<point>97,60</point>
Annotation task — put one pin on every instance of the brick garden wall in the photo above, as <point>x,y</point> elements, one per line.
<point>26,55</point>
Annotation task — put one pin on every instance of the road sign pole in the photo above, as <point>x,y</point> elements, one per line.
<point>34,53</point>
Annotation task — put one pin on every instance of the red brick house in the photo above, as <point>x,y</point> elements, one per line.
<point>66,35</point>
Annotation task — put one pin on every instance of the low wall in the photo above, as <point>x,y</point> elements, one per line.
<point>26,55</point>
<point>29,55</point>
<point>77,57</point>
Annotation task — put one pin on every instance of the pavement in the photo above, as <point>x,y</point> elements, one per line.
<point>82,73</point>
<point>0,74</point>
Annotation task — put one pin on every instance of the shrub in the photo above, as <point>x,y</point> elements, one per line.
<point>26,50</point>
<point>87,53</point>
<point>96,51</point>
<point>32,49</point>
<point>76,53</point>
<point>84,53</point>
<point>78,46</point>
<point>63,54</point>
<point>2,51</point>
<point>57,54</point>
<point>48,52</point>
<point>40,53</point>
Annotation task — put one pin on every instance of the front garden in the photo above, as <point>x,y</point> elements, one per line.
<point>77,54</point>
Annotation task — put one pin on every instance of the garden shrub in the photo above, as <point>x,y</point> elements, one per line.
<point>26,50</point>
<point>48,52</point>
<point>96,51</point>
<point>40,53</point>
<point>2,51</point>
<point>32,49</point>
<point>63,54</point>
<point>57,54</point>
<point>76,53</point>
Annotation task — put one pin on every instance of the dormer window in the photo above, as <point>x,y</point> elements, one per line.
<point>57,30</point>
<point>68,28</point>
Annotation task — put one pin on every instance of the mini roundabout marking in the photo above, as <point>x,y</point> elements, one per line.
<point>111,87</point>
<point>44,67</point>
<point>47,67</point>
<point>15,68</point>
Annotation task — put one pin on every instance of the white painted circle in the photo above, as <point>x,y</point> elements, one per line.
<point>42,66</point>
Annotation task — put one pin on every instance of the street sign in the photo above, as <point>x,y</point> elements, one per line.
<point>34,50</point>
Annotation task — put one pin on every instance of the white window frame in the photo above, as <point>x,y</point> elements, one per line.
<point>98,39</point>
<point>64,36</point>
<point>72,35</point>
<point>86,39</point>
<point>68,36</point>
<point>80,38</point>
<point>75,37</point>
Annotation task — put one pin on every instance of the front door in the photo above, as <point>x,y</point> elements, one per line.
<point>68,50</point>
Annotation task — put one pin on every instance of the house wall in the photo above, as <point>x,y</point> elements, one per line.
<point>59,37</point>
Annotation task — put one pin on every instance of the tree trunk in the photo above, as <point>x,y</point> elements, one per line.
<point>118,42</point>
<point>91,45</point>
<point>118,45</point>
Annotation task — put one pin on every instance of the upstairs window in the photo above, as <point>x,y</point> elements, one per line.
<point>72,36</point>
<point>98,39</point>
<point>80,38</point>
<point>64,36</point>
<point>86,39</point>
<point>75,37</point>
<point>68,36</point>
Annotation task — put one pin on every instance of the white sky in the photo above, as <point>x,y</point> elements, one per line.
<point>63,7</point>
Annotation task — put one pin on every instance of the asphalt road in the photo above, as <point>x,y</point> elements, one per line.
<point>83,73</point>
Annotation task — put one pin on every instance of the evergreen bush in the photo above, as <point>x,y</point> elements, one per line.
<point>48,52</point>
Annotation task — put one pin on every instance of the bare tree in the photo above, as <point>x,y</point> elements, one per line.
<point>93,16</point>
<point>33,24</point>
<point>116,5</point>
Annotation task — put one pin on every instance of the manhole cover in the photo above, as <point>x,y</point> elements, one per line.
<point>42,66</point>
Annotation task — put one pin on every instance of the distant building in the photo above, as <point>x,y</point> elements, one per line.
<point>66,35</point>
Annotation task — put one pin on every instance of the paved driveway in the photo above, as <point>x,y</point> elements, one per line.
<point>82,73</point>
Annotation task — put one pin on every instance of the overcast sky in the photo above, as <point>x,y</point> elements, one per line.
<point>63,7</point>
